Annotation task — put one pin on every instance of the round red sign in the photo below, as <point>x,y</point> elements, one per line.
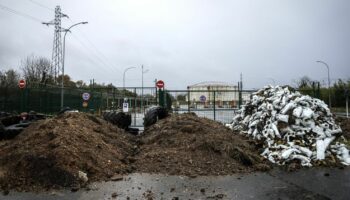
<point>21,83</point>
<point>160,84</point>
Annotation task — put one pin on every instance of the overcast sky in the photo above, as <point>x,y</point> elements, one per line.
<point>184,42</point>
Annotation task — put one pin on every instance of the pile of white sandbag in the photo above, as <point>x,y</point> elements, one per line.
<point>292,126</point>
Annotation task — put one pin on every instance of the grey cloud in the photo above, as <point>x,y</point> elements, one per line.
<point>185,42</point>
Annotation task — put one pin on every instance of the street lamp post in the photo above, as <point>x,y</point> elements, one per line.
<point>124,77</point>
<point>143,72</point>
<point>64,52</point>
<point>329,83</point>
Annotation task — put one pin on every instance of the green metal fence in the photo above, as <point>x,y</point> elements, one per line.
<point>47,100</point>
<point>215,104</point>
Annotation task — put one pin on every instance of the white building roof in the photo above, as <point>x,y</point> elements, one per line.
<point>212,83</point>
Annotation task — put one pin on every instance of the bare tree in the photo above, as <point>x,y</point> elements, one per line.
<point>37,70</point>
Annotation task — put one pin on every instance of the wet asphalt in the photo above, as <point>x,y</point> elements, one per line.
<point>313,183</point>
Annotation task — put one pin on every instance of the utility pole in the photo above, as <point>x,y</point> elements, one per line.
<point>329,83</point>
<point>241,81</point>
<point>143,71</point>
<point>240,88</point>
<point>142,89</point>
<point>124,79</point>
<point>57,51</point>
<point>347,106</point>
<point>155,83</point>
<point>64,53</point>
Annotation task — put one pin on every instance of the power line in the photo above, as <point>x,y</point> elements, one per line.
<point>41,5</point>
<point>89,49</point>
<point>95,52</point>
<point>19,13</point>
<point>98,51</point>
<point>95,48</point>
<point>98,54</point>
<point>92,61</point>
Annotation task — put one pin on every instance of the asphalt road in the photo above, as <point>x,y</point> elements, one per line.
<point>318,184</point>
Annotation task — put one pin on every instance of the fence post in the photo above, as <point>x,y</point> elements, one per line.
<point>188,100</point>
<point>135,107</point>
<point>347,106</point>
<point>318,90</point>
<point>214,105</point>
<point>161,97</point>
<point>156,96</point>
<point>101,103</point>
<point>113,102</point>
<point>21,101</point>
<point>25,100</point>
<point>239,95</point>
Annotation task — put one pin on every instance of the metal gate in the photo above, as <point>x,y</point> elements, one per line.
<point>219,105</point>
<point>137,99</point>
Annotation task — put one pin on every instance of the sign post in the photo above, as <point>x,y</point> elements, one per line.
<point>22,85</point>
<point>125,106</point>
<point>160,86</point>
<point>86,97</point>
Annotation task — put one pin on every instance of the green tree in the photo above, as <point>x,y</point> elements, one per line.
<point>338,92</point>
<point>8,81</point>
<point>66,81</point>
<point>80,84</point>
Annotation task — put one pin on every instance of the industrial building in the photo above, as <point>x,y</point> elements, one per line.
<point>221,93</point>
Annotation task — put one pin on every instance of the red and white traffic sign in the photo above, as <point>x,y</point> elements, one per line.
<point>22,83</point>
<point>160,84</point>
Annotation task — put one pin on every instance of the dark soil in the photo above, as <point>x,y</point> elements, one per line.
<point>50,153</point>
<point>345,126</point>
<point>63,151</point>
<point>189,145</point>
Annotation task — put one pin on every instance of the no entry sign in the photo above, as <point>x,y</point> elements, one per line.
<point>160,84</point>
<point>22,83</point>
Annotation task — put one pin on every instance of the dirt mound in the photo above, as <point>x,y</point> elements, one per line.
<point>66,151</point>
<point>344,123</point>
<point>189,145</point>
